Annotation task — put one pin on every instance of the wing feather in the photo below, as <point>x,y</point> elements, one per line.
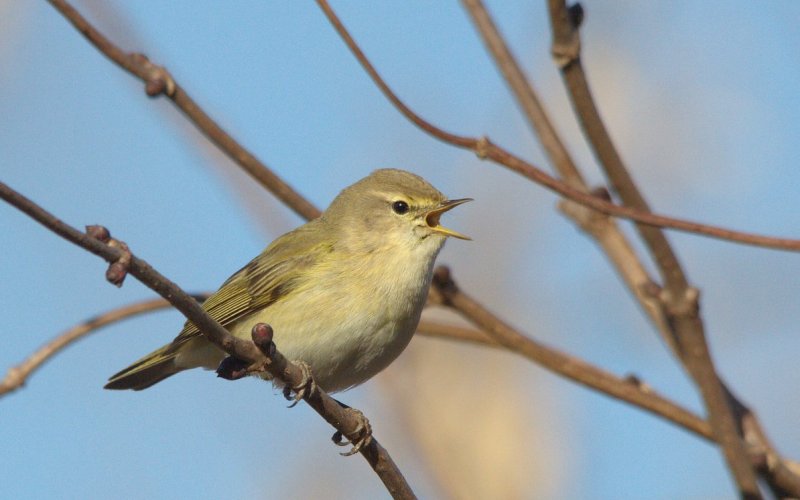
<point>268,278</point>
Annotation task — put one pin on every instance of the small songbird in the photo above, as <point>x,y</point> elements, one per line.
<point>343,293</point>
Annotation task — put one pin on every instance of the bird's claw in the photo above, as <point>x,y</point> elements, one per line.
<point>306,387</point>
<point>363,430</point>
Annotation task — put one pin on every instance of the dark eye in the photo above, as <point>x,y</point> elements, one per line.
<point>400,207</point>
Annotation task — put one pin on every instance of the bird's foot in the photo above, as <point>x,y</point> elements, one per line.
<point>232,368</point>
<point>306,387</point>
<point>363,432</point>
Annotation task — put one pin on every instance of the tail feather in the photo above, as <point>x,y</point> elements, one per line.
<point>149,370</point>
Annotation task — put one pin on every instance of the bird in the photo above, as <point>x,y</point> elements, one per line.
<point>343,293</point>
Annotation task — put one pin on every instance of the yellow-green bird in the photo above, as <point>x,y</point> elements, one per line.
<point>343,293</point>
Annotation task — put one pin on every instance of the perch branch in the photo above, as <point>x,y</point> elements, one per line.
<point>291,374</point>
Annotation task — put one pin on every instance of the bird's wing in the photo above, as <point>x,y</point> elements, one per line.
<point>268,278</point>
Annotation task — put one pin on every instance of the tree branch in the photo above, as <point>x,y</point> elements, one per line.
<point>562,364</point>
<point>18,375</point>
<point>526,97</point>
<point>566,51</point>
<point>451,332</point>
<point>680,302</point>
<point>159,81</point>
<point>777,470</point>
<point>340,418</point>
<point>603,228</point>
<point>782,475</point>
<point>485,149</point>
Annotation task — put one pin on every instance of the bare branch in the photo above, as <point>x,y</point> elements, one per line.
<point>443,331</point>
<point>526,97</point>
<point>562,364</point>
<point>782,475</point>
<point>674,310</point>
<point>565,33</point>
<point>292,375</point>
<point>680,302</point>
<point>18,375</point>
<point>566,50</point>
<point>485,149</point>
<point>604,230</point>
<point>159,81</point>
<point>601,227</point>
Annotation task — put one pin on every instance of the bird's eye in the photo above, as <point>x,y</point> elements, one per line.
<point>400,207</point>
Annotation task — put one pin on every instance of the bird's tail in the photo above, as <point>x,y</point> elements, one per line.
<point>149,370</point>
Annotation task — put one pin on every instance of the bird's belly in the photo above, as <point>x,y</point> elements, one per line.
<point>345,338</point>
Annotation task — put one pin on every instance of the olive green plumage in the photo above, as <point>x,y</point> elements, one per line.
<point>343,292</point>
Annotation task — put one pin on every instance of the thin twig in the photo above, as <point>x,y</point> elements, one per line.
<point>783,475</point>
<point>485,149</point>
<point>562,364</point>
<point>606,234</point>
<point>777,467</point>
<point>603,228</point>
<point>245,350</point>
<point>526,97</point>
<point>451,332</point>
<point>679,301</point>
<point>17,376</point>
<point>159,81</point>
<point>601,142</point>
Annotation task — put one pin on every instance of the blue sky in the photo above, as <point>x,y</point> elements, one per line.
<point>701,99</point>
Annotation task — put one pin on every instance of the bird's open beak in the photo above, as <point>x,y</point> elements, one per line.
<point>432,218</point>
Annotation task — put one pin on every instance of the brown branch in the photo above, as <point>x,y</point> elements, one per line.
<point>292,375</point>
<point>566,51</point>
<point>562,364</point>
<point>783,475</point>
<point>485,149</point>
<point>603,228</point>
<point>679,301</point>
<point>18,375</point>
<point>526,97</point>
<point>451,332</point>
<point>683,316</point>
<point>158,81</point>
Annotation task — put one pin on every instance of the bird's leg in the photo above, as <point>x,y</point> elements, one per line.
<point>363,431</point>
<point>306,387</point>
